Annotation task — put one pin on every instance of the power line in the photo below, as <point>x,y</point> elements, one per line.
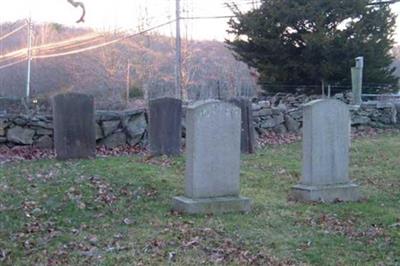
<point>12,32</point>
<point>70,43</point>
<point>12,64</point>
<point>207,17</point>
<point>21,52</point>
<point>103,44</point>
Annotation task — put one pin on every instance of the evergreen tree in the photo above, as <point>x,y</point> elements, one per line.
<point>309,41</point>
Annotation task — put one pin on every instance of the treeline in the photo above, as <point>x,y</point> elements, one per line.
<point>208,66</point>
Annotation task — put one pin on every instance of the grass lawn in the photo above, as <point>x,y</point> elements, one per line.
<point>116,211</point>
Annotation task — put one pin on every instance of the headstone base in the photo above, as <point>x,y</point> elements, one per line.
<point>211,205</point>
<point>331,193</point>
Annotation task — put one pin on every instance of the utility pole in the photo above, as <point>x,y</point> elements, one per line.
<point>28,76</point>
<point>178,55</point>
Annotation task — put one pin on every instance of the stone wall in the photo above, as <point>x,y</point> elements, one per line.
<point>112,129</point>
<point>281,113</point>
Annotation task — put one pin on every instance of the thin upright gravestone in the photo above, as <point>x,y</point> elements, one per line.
<point>326,139</point>
<point>74,126</point>
<point>357,81</point>
<point>165,126</point>
<point>212,180</point>
<point>248,139</point>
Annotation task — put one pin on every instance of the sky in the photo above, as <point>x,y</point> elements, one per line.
<point>134,15</point>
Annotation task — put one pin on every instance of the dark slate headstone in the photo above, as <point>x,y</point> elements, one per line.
<point>248,139</point>
<point>165,126</point>
<point>74,126</point>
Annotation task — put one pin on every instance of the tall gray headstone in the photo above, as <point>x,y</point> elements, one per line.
<point>326,139</point>
<point>248,139</point>
<point>165,126</point>
<point>74,126</point>
<point>357,81</point>
<point>212,160</point>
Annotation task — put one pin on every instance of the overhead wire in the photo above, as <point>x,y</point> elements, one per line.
<point>12,64</point>
<point>5,36</point>
<point>103,44</point>
<point>19,53</point>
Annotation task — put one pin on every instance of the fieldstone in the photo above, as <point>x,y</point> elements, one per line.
<point>136,127</point>
<point>264,104</point>
<point>115,140</point>
<point>99,131</point>
<point>44,131</point>
<point>255,107</point>
<point>326,139</point>
<point>269,123</point>
<point>260,131</point>
<point>357,120</point>
<point>263,112</point>
<point>212,175</point>
<point>3,125</point>
<point>107,116</point>
<point>74,126</point>
<point>296,114</point>
<point>44,142</point>
<point>165,125</point>
<point>339,96</point>
<point>20,135</point>
<point>110,126</point>
<point>281,108</point>
<point>41,124</point>
<point>291,124</point>
<point>280,129</point>
<point>20,121</point>
<point>248,139</point>
<point>279,118</point>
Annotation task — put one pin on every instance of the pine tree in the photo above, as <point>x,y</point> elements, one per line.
<point>309,41</point>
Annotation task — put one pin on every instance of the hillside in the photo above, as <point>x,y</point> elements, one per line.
<point>208,66</point>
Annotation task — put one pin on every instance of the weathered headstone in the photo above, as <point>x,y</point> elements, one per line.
<point>165,126</point>
<point>326,139</point>
<point>248,139</point>
<point>74,126</point>
<point>212,160</point>
<point>357,81</point>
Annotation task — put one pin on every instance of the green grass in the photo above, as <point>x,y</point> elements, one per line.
<point>116,211</point>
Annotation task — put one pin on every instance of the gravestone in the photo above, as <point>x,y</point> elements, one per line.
<point>74,126</point>
<point>326,139</point>
<point>248,139</point>
<point>212,160</point>
<point>165,126</point>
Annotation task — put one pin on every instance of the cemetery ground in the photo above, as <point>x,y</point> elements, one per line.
<point>116,211</point>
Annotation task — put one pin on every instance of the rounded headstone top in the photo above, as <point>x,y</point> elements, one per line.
<point>165,99</point>
<point>207,103</point>
<point>325,102</point>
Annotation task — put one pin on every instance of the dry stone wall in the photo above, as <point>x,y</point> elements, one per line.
<point>112,129</point>
<point>281,113</point>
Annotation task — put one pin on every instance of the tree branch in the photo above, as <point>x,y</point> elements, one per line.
<point>81,5</point>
